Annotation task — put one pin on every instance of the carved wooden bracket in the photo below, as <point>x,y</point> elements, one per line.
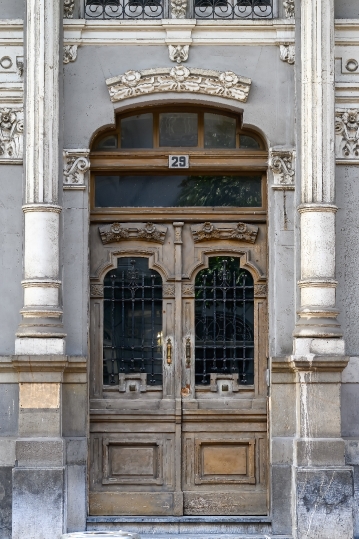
<point>238,232</point>
<point>118,232</point>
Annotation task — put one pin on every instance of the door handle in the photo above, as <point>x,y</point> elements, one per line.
<point>188,352</point>
<point>169,352</point>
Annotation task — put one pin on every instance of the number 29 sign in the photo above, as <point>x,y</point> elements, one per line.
<point>178,161</point>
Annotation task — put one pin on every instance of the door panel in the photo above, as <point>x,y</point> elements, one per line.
<point>191,439</point>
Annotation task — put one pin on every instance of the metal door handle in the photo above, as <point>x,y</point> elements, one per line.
<point>188,352</point>
<point>169,351</point>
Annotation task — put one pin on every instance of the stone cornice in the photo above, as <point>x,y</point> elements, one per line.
<point>38,368</point>
<point>312,363</point>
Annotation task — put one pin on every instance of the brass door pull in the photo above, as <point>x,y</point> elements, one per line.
<point>188,352</point>
<point>169,352</point>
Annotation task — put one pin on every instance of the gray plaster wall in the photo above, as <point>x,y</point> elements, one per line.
<point>11,226</point>
<point>12,9</point>
<point>270,108</point>
<point>346,9</point>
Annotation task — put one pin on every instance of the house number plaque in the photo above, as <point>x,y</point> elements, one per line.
<point>178,161</point>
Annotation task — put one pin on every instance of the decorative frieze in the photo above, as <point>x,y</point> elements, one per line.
<point>287,53</point>
<point>282,163</point>
<point>178,9</point>
<point>76,164</point>
<point>179,79</point>
<point>239,232</point>
<point>11,135</point>
<point>168,290</point>
<point>70,53</point>
<point>69,6</point>
<point>347,133</point>
<point>118,232</point>
<point>96,291</point>
<point>188,290</point>
<point>178,53</point>
<point>289,9</point>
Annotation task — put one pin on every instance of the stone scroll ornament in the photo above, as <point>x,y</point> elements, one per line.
<point>118,232</point>
<point>347,133</point>
<point>179,79</point>
<point>11,134</point>
<point>239,232</point>
<point>282,163</point>
<point>76,164</point>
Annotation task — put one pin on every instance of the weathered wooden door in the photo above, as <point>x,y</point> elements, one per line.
<point>178,393</point>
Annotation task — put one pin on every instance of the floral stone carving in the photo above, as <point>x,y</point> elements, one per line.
<point>347,133</point>
<point>178,9</point>
<point>178,53</point>
<point>147,232</point>
<point>287,53</point>
<point>281,163</point>
<point>179,79</point>
<point>289,8</point>
<point>239,232</point>
<point>70,53</point>
<point>76,164</point>
<point>69,6</point>
<point>11,134</point>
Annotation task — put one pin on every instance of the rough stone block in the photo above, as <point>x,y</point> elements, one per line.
<point>5,502</point>
<point>326,452</point>
<point>38,503</point>
<point>76,451</point>
<point>76,498</point>
<point>74,410</point>
<point>40,453</point>
<point>325,503</point>
<point>351,452</point>
<point>282,451</point>
<point>34,422</point>
<point>7,452</point>
<point>349,410</point>
<point>283,410</point>
<point>281,499</point>
<point>9,409</point>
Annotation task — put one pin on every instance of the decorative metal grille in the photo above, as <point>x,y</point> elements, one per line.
<point>132,341</point>
<point>125,9</point>
<point>233,9</point>
<point>224,313</point>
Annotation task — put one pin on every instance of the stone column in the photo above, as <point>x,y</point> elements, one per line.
<point>321,482</point>
<point>41,330</point>
<point>39,473</point>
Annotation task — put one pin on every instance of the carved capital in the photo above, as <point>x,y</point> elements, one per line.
<point>179,79</point>
<point>168,290</point>
<point>289,9</point>
<point>260,290</point>
<point>347,133</point>
<point>178,53</point>
<point>76,164</point>
<point>282,163</point>
<point>11,135</point>
<point>178,9</point>
<point>70,53</point>
<point>238,232</point>
<point>69,6</point>
<point>119,232</point>
<point>287,53</point>
<point>188,290</point>
<point>96,291</point>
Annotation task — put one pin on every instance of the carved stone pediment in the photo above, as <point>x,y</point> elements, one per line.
<point>239,232</point>
<point>121,232</point>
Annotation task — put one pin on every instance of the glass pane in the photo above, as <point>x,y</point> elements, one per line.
<point>137,131</point>
<point>107,143</point>
<point>224,321</point>
<point>248,142</point>
<point>172,190</point>
<point>178,129</point>
<point>219,131</point>
<point>132,339</point>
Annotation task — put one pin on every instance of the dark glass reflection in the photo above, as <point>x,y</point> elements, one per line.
<point>224,319</point>
<point>107,143</point>
<point>219,131</point>
<point>137,131</point>
<point>172,190</point>
<point>178,129</point>
<point>132,339</point>
<point>249,143</point>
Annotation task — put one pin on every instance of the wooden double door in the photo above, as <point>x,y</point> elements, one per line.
<point>178,393</point>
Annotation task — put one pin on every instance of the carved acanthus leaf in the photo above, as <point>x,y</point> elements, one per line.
<point>239,232</point>
<point>179,79</point>
<point>147,232</point>
<point>178,53</point>
<point>178,9</point>
<point>70,53</point>
<point>11,134</point>
<point>347,133</point>
<point>289,8</point>
<point>287,53</point>
<point>76,164</point>
<point>69,6</point>
<point>281,162</point>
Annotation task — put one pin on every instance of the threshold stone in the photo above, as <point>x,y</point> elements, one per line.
<point>101,535</point>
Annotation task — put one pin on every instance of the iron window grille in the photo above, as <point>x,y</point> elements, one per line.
<point>224,322</point>
<point>159,9</point>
